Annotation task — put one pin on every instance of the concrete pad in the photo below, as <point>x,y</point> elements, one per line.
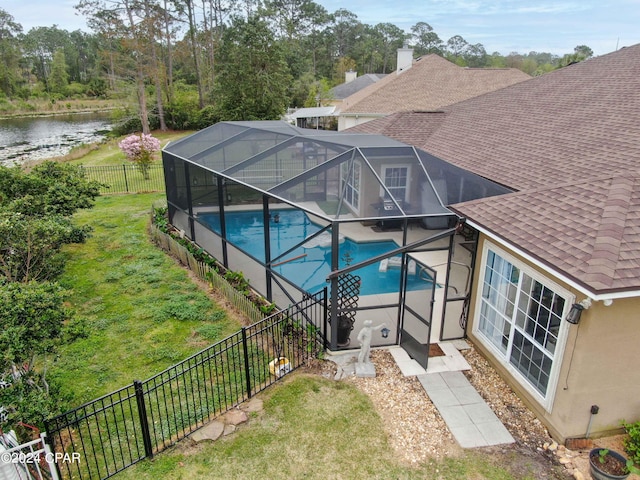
<point>432,381</point>
<point>210,432</point>
<point>454,416</point>
<point>467,395</point>
<point>495,433</point>
<point>455,379</point>
<point>480,413</point>
<point>442,397</point>
<point>448,349</point>
<point>461,344</point>
<point>468,436</point>
<point>407,365</point>
<point>436,365</point>
<point>365,370</point>
<point>456,363</point>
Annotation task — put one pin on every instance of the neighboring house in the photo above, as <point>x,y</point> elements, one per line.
<point>428,84</point>
<point>352,85</point>
<point>566,243</point>
<point>324,116</point>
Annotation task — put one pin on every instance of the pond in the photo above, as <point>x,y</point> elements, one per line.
<point>36,138</point>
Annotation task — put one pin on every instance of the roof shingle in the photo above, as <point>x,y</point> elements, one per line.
<point>431,83</point>
<point>569,141</point>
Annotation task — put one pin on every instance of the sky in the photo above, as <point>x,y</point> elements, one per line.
<point>504,26</point>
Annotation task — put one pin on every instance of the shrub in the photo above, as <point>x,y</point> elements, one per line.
<point>139,149</point>
<point>632,443</point>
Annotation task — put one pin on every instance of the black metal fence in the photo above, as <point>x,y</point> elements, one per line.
<point>120,429</point>
<point>126,178</point>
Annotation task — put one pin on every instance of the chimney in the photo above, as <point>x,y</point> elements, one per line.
<point>405,59</point>
<point>350,76</point>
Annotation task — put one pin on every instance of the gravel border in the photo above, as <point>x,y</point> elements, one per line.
<point>416,430</point>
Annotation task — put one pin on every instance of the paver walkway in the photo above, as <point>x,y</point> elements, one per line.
<point>469,418</point>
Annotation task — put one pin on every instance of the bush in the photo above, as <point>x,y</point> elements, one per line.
<point>632,443</point>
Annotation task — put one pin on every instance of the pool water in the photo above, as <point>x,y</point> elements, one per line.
<point>307,266</point>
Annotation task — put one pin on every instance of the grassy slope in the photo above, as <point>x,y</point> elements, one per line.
<point>143,311</point>
<point>108,153</point>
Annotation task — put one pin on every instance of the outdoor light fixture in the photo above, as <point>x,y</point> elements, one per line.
<point>576,311</point>
<point>385,332</point>
<point>574,314</point>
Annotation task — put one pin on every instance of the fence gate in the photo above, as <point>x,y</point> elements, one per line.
<point>415,325</point>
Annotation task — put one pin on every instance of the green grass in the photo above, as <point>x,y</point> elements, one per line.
<point>108,153</point>
<point>142,310</point>
<point>310,428</point>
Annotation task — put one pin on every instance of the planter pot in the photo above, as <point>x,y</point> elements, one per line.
<point>607,470</point>
<point>345,325</point>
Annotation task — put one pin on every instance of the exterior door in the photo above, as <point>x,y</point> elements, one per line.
<point>416,313</point>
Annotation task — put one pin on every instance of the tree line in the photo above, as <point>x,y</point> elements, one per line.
<point>185,64</point>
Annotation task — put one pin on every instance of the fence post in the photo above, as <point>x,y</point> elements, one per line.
<point>246,360</point>
<point>126,182</point>
<point>144,423</point>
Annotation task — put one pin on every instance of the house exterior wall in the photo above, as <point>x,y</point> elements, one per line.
<point>598,364</point>
<point>348,121</point>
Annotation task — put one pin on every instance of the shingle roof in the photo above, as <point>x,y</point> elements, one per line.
<point>347,89</point>
<point>431,83</point>
<point>570,142</point>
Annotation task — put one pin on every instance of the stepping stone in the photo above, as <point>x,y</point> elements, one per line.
<point>253,405</point>
<point>210,432</point>
<point>228,430</point>
<point>235,417</point>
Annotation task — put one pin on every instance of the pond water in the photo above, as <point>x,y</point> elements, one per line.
<point>36,138</point>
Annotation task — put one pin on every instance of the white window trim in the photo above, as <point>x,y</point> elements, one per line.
<point>545,402</point>
<point>383,169</point>
<point>356,209</point>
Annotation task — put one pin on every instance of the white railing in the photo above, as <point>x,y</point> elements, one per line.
<point>33,460</point>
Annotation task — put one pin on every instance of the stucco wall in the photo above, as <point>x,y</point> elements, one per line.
<point>600,365</point>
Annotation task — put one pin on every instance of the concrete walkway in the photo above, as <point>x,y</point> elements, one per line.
<point>469,418</point>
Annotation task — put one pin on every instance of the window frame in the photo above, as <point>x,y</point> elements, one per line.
<point>347,186</point>
<point>504,357</point>
<point>406,187</point>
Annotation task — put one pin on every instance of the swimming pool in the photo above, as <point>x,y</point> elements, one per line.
<point>307,266</point>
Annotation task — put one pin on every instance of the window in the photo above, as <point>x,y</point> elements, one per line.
<point>396,180</point>
<point>350,174</point>
<point>520,318</point>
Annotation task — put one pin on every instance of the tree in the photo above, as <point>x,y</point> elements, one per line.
<point>59,78</point>
<point>475,56</point>
<point>9,54</point>
<point>456,46</point>
<point>139,149</point>
<point>253,78</point>
<point>580,53</point>
<point>426,41</point>
<point>391,38</point>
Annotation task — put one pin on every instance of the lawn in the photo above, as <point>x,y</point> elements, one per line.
<point>108,153</point>
<point>143,312</point>
<point>311,428</point>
